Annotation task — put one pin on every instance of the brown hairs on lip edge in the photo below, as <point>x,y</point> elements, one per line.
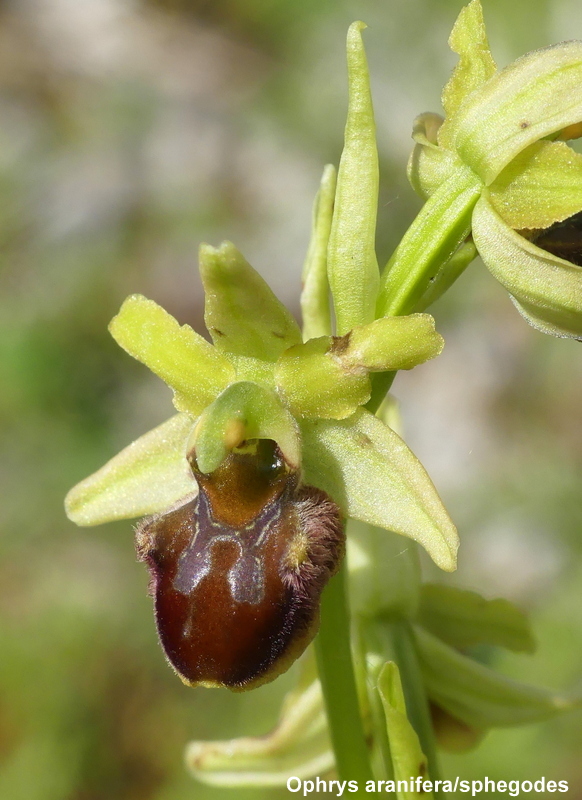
<point>237,573</point>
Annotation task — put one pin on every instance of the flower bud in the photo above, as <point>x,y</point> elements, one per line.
<point>237,573</point>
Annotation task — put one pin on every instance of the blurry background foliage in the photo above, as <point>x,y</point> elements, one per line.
<point>129,132</point>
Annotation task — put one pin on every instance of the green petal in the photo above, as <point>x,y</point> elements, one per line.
<point>149,476</point>
<point>244,411</point>
<point>178,355</point>
<point>241,312</point>
<point>314,383</point>
<point>479,696</point>
<point>371,473</point>
<point>530,99</point>
<point>315,307</point>
<point>391,343</point>
<point>463,619</point>
<point>351,258</point>
<point>547,289</point>
<point>542,185</point>
<point>327,377</point>
<point>408,760</point>
<point>299,745</point>
<point>476,65</point>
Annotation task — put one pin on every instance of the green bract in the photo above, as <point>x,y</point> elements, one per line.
<point>500,126</point>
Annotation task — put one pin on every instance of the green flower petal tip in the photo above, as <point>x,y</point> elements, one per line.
<point>476,65</point>
<point>242,314</point>
<point>148,476</point>
<point>242,412</point>
<point>194,369</point>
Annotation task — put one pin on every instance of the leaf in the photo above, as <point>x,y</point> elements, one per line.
<point>408,760</point>
<point>298,746</point>
<point>351,259</point>
<point>147,477</point>
<point>241,312</point>
<point>191,366</point>
<point>374,477</point>
<point>244,411</point>
<point>479,696</point>
<point>315,307</point>
<point>546,289</point>
<point>542,185</point>
<point>476,65</point>
<point>463,619</point>
<point>535,96</point>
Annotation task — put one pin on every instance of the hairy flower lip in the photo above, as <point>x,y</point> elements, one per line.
<point>237,573</point>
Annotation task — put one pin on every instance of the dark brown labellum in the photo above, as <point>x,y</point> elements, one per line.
<point>237,573</point>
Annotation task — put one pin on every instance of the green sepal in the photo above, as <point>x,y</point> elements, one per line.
<point>315,384</point>
<point>241,312</point>
<point>374,477</point>
<point>299,744</point>
<point>315,301</point>
<point>534,97</point>
<point>147,477</point>
<point>476,65</point>
<point>351,259</point>
<point>546,289</point>
<point>408,760</point>
<point>479,696</point>
<point>542,185</point>
<point>463,619</point>
<point>191,366</point>
<point>243,411</point>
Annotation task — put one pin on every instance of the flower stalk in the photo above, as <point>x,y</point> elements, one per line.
<point>283,434</point>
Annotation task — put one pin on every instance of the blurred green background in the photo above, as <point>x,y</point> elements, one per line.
<point>129,132</point>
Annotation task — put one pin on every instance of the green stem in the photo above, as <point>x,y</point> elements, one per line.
<point>336,672</point>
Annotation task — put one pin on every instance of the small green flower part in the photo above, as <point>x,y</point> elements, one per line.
<point>245,411</point>
<point>408,760</point>
<point>194,369</point>
<point>507,128</point>
<point>478,696</point>
<point>299,744</point>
